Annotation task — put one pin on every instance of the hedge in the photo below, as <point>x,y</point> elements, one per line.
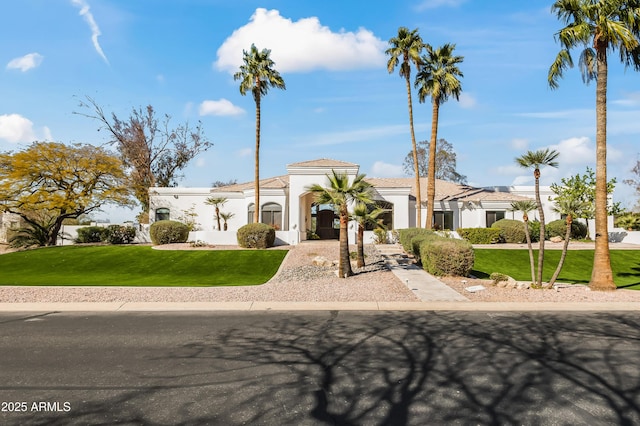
<point>406,235</point>
<point>91,234</point>
<point>256,235</point>
<point>512,231</point>
<point>558,228</point>
<point>168,231</point>
<point>446,256</point>
<point>480,235</point>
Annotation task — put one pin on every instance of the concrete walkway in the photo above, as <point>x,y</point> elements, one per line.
<point>426,287</point>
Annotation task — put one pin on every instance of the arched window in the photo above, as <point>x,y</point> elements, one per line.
<point>163,214</point>
<point>250,211</point>
<point>272,215</point>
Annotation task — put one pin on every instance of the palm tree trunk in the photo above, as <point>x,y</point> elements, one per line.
<point>416,168</point>
<point>360,263</point>
<point>542,230</point>
<point>530,247</point>
<point>563,256</point>
<point>344,263</point>
<point>601,275</point>
<point>218,217</point>
<point>256,185</point>
<point>431,180</point>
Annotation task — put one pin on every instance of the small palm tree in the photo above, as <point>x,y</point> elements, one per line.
<point>405,49</point>
<point>571,208</point>
<point>534,160</point>
<point>525,207</point>
<point>341,193</point>
<point>438,79</point>
<point>257,75</point>
<point>217,202</point>
<point>364,216</point>
<point>225,217</point>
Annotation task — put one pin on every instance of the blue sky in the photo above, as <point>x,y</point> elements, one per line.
<point>340,102</point>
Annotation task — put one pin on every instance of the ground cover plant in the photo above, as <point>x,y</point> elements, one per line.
<point>577,267</point>
<point>138,266</point>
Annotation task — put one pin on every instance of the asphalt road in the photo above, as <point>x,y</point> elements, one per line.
<point>345,368</point>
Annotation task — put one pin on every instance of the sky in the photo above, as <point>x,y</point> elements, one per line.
<point>340,101</point>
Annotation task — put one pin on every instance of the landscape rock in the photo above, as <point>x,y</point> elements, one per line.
<point>556,239</point>
<point>321,261</point>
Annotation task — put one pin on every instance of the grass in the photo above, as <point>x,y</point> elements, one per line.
<point>577,266</point>
<point>138,266</point>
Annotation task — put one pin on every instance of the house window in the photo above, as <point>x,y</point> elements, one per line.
<point>250,211</point>
<point>162,214</point>
<point>443,220</point>
<point>493,217</point>
<point>386,216</point>
<point>272,215</point>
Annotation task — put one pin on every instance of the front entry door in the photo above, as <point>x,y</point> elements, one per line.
<point>324,224</point>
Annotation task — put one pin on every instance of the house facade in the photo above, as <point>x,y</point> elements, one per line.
<point>288,205</point>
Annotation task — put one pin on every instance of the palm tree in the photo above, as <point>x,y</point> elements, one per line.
<point>225,217</point>
<point>364,216</point>
<point>438,78</point>
<point>525,207</point>
<point>405,49</point>
<point>535,160</point>
<point>598,27</point>
<point>257,76</point>
<point>341,193</point>
<point>571,208</point>
<point>217,202</point>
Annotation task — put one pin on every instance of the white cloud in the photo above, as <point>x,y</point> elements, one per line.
<point>382,169</point>
<point>221,107</point>
<point>519,144</point>
<point>577,150</point>
<point>434,4</point>
<point>201,162</point>
<point>467,101</point>
<point>570,113</point>
<point>245,152</point>
<point>628,100</point>
<point>300,46</point>
<point>359,135</point>
<point>26,62</point>
<point>15,128</point>
<point>95,30</point>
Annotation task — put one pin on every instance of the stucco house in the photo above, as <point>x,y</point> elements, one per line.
<point>287,204</point>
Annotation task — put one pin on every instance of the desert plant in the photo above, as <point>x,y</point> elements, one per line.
<point>380,236</point>
<point>168,231</point>
<point>629,221</point>
<point>256,235</point>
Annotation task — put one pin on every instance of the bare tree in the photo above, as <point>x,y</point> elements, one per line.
<point>153,153</point>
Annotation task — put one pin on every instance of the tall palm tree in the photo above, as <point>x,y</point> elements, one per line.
<point>216,202</point>
<point>341,193</point>
<point>406,48</point>
<point>257,75</point>
<point>535,160</point>
<point>571,208</point>
<point>364,216</point>
<point>438,78</point>
<point>525,207</point>
<point>598,27</point>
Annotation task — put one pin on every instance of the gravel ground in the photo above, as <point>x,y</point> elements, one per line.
<point>296,281</point>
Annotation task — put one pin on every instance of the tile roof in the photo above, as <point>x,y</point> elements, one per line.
<point>277,182</point>
<point>322,162</point>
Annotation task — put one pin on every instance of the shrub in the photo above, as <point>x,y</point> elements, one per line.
<point>256,235</point>
<point>534,230</point>
<point>480,235</point>
<point>119,234</point>
<point>558,228</point>
<point>380,236</point>
<point>406,235</point>
<point>168,231</point>
<point>497,277</point>
<point>629,221</point>
<point>445,256</point>
<point>91,234</point>
<point>418,240</point>
<point>511,231</point>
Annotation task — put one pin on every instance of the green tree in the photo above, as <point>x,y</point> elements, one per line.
<point>49,182</point>
<point>534,160</point>
<point>569,207</point>
<point>152,152</point>
<point>525,207</point>
<point>405,49</point>
<point>257,75</point>
<point>598,27</point>
<point>216,202</point>
<point>341,193</point>
<point>364,215</point>
<point>438,78</point>
<point>445,162</point>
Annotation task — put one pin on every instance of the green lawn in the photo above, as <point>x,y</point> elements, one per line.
<point>576,269</point>
<point>138,266</point>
